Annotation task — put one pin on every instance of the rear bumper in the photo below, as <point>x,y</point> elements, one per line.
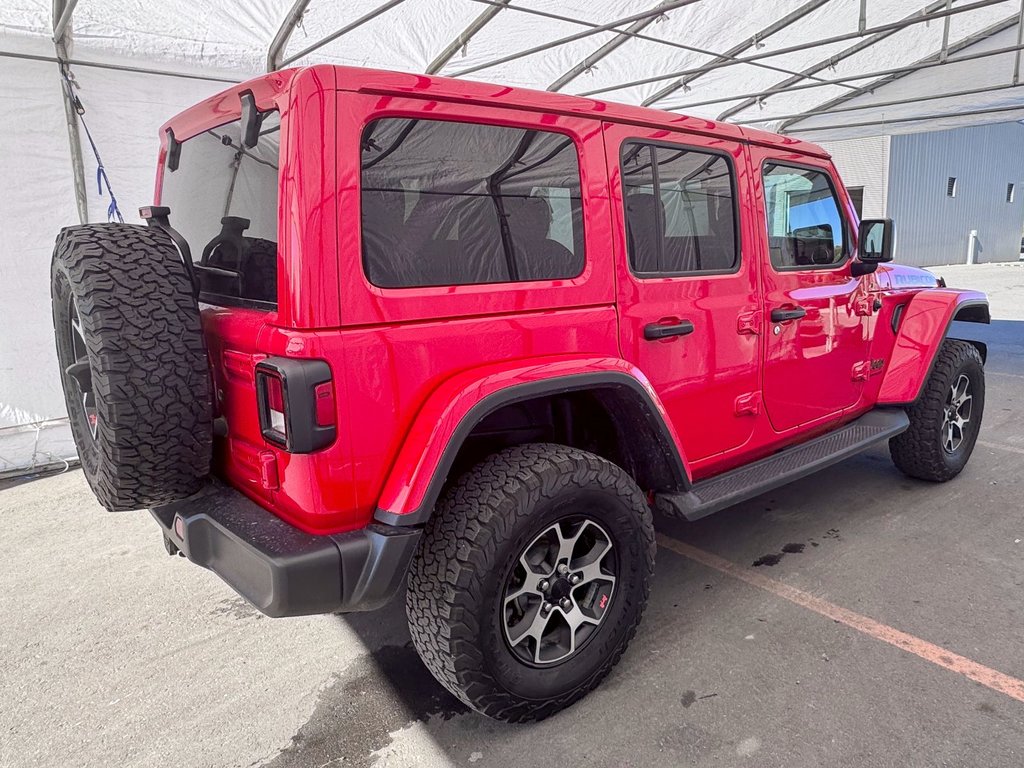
<point>278,568</point>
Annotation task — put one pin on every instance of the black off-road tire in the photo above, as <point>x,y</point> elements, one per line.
<point>474,538</point>
<point>919,451</point>
<point>147,363</point>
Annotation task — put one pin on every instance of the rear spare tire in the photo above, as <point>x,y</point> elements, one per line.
<point>133,363</point>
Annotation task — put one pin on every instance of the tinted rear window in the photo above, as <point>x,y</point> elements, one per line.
<point>448,203</point>
<point>223,199</point>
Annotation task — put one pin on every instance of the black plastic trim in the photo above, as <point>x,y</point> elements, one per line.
<point>655,331</point>
<point>519,393</point>
<point>280,569</point>
<point>885,423</point>
<point>173,151</point>
<point>158,216</point>
<point>298,378</point>
<point>897,316</point>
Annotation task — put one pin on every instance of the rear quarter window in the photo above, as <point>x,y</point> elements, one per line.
<point>451,203</point>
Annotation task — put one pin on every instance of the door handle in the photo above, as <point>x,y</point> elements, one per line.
<point>782,315</point>
<point>655,331</point>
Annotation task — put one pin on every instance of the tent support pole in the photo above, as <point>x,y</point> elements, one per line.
<point>916,118</point>
<point>945,34</point>
<point>937,9</point>
<point>931,61</point>
<point>732,53</point>
<point>463,39</point>
<point>284,34</point>
<point>931,12</point>
<point>62,18</point>
<point>608,27</point>
<point>797,117</point>
<point>370,16</point>
<point>62,10</point>
<point>1020,39</point>
<point>637,26</point>
<point>897,71</point>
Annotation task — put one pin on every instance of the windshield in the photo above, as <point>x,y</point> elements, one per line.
<point>224,199</point>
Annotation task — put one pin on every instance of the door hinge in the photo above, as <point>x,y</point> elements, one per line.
<point>749,322</point>
<point>748,404</point>
<point>861,370</point>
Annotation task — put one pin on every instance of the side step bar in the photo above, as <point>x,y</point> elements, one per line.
<point>736,485</point>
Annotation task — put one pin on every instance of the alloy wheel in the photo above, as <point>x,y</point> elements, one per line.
<point>559,591</point>
<point>957,414</point>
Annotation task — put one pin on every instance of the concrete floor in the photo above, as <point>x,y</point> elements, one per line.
<point>115,654</point>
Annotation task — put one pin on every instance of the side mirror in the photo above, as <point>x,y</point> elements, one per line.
<point>874,245</point>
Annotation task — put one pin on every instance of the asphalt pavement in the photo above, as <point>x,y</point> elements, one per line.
<point>114,654</point>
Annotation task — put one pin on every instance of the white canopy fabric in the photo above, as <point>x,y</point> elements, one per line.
<point>821,69</point>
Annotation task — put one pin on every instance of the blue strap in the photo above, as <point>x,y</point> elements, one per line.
<point>102,180</point>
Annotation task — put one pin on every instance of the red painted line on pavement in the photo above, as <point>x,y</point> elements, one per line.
<point>937,655</point>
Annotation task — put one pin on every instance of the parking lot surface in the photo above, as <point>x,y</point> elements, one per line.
<point>114,653</point>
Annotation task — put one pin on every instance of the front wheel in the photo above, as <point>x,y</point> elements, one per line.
<point>530,580</point>
<point>945,420</point>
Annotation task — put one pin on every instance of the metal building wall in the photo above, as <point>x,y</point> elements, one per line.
<point>932,228</point>
<point>864,163</point>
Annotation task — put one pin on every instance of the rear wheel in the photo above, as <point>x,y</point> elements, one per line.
<point>531,579</point>
<point>945,421</point>
<point>133,364</point>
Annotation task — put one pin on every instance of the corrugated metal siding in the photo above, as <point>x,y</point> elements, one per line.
<point>864,163</point>
<point>932,228</point>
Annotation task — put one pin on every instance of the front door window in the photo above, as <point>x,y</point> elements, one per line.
<point>805,229</point>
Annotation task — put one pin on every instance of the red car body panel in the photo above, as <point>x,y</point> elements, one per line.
<point>922,328</point>
<point>447,407</point>
<point>409,364</point>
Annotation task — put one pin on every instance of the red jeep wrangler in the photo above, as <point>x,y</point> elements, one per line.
<point>387,327</point>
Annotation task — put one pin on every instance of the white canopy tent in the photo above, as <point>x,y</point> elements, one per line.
<point>822,69</point>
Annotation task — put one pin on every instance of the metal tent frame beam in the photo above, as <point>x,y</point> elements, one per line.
<point>941,57</point>
<point>637,26</point>
<point>895,26</point>
<point>799,116</point>
<point>63,10</point>
<point>845,79</point>
<point>465,36</point>
<point>292,20</point>
<point>608,27</point>
<point>936,9</point>
<point>736,50</point>
<point>920,118</point>
<point>628,33</point>
<point>276,51</point>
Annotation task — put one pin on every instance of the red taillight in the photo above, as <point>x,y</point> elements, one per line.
<point>296,403</point>
<point>323,395</point>
<point>275,405</point>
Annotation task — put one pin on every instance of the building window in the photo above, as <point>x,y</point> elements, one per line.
<point>450,203</point>
<point>951,186</point>
<point>1009,192</point>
